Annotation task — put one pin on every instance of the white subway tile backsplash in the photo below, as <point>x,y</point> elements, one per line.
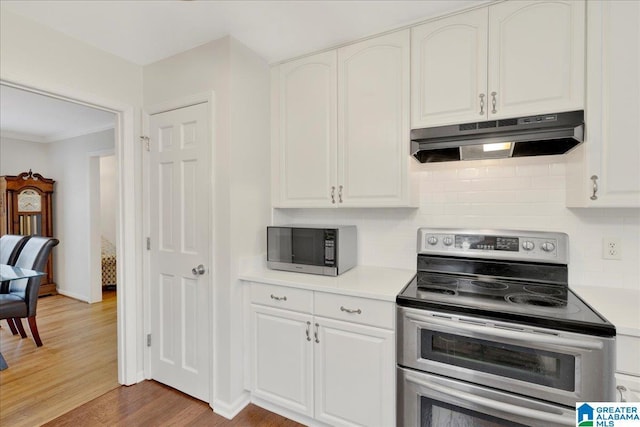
<point>524,194</point>
<point>532,170</point>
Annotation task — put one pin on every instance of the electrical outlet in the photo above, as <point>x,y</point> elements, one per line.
<point>611,248</point>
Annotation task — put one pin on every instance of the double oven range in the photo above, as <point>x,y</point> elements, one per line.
<point>489,333</point>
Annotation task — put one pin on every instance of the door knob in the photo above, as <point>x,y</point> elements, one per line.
<point>198,271</point>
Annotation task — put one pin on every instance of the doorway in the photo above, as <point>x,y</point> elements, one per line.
<point>128,244</point>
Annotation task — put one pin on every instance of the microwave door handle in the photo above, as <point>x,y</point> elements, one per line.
<point>488,331</point>
<point>492,404</point>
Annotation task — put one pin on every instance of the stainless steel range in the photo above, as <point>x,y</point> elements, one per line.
<point>489,333</point>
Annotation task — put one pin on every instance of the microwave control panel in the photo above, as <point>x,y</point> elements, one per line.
<point>329,248</point>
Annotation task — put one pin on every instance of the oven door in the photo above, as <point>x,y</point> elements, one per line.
<point>426,400</point>
<point>550,365</point>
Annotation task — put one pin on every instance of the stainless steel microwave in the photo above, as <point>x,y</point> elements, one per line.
<point>315,249</point>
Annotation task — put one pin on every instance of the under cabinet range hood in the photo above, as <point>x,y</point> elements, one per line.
<point>539,135</point>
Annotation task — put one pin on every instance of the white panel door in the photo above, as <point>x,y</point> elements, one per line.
<point>179,221</point>
<point>449,70</point>
<point>536,57</point>
<point>307,131</point>
<point>373,121</point>
<point>282,358</point>
<point>354,375</point>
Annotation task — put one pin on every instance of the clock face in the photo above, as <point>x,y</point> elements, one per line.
<point>29,201</point>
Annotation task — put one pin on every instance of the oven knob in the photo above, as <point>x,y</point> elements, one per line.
<point>432,240</point>
<point>548,247</point>
<point>528,245</point>
<point>448,240</point>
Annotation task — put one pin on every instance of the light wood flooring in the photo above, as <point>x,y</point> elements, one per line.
<point>153,404</point>
<point>77,363</point>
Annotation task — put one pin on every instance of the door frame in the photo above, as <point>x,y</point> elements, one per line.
<point>198,98</point>
<point>128,221</point>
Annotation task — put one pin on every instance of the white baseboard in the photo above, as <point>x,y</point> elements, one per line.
<point>230,410</point>
<point>299,418</point>
<point>73,295</point>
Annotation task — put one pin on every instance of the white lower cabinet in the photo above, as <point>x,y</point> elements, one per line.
<point>283,358</point>
<point>338,372</point>
<point>354,384</point>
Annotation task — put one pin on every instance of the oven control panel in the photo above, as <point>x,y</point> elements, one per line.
<point>495,244</point>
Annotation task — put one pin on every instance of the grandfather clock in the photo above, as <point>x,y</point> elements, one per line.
<point>26,209</point>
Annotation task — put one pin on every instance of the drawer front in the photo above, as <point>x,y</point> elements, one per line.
<point>354,309</point>
<point>628,349</point>
<point>282,297</point>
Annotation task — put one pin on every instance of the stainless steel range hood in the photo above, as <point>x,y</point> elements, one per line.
<point>539,135</point>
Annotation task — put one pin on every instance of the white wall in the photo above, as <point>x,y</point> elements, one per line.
<point>17,156</point>
<point>70,163</point>
<point>240,80</point>
<point>524,193</point>
<point>108,197</point>
<point>35,56</point>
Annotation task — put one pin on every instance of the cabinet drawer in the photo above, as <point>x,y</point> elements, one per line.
<point>355,309</point>
<point>282,297</point>
<point>628,349</point>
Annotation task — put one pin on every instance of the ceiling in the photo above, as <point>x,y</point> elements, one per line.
<point>145,31</point>
<point>38,118</point>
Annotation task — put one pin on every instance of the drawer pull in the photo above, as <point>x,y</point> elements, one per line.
<point>349,310</point>
<point>278,298</point>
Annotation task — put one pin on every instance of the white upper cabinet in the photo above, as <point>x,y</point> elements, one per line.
<point>449,70</point>
<point>304,129</point>
<point>536,57</point>
<point>604,171</point>
<point>510,59</point>
<point>340,127</point>
<point>373,121</point>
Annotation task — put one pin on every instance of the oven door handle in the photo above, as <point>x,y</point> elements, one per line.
<point>492,404</point>
<point>489,331</point>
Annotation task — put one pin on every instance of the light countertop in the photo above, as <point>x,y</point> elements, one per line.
<point>620,306</point>
<point>362,281</point>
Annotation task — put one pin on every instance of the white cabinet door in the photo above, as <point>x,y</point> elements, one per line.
<point>354,374</point>
<point>304,123</point>
<point>373,121</point>
<point>282,358</point>
<point>449,70</point>
<point>536,57</point>
<point>604,171</point>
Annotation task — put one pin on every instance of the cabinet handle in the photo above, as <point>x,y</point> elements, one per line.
<point>340,194</point>
<point>278,298</point>
<point>333,194</point>
<point>494,102</point>
<point>482,104</point>
<point>594,178</point>
<point>308,329</point>
<point>315,334</point>
<point>350,310</point>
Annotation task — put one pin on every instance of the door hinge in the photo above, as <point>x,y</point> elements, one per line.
<point>148,340</point>
<point>148,243</point>
<point>145,142</point>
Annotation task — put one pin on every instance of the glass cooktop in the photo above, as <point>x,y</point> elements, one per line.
<point>540,304</point>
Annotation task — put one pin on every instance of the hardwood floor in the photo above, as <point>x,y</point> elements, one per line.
<point>153,404</point>
<point>77,363</point>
